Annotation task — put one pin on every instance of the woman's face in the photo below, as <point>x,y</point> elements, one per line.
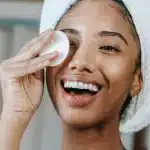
<point>102,58</point>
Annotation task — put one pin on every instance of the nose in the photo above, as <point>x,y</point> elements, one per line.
<point>82,64</point>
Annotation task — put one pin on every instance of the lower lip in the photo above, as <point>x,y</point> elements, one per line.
<point>78,100</point>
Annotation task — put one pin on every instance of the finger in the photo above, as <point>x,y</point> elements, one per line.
<point>35,40</point>
<point>34,47</point>
<point>41,37</point>
<point>31,66</point>
<point>39,75</point>
<point>34,61</point>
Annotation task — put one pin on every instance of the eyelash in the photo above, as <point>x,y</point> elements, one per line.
<point>73,44</point>
<point>109,48</point>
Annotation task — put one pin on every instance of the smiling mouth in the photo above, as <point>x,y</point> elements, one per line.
<point>80,88</point>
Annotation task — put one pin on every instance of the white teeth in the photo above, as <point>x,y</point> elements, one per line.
<point>70,84</point>
<point>75,84</point>
<point>66,84</point>
<point>80,85</point>
<point>90,87</point>
<point>85,86</point>
<point>95,88</point>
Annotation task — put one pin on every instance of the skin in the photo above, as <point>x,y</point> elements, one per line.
<point>84,128</point>
<point>90,127</point>
<point>22,83</point>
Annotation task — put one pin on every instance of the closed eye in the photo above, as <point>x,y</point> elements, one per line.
<point>109,48</point>
<point>73,44</point>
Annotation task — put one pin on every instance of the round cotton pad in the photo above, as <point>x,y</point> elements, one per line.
<point>61,44</point>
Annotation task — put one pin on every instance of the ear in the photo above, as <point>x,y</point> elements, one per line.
<point>137,83</point>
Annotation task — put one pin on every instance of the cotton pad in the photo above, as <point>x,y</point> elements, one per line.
<point>61,44</point>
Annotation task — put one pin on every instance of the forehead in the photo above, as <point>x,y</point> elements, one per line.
<point>96,5</point>
<point>96,14</point>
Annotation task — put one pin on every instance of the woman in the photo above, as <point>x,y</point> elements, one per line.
<point>92,89</point>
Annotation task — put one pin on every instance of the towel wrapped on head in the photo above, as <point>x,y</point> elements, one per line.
<point>138,114</point>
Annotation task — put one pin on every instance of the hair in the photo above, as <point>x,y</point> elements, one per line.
<point>127,16</point>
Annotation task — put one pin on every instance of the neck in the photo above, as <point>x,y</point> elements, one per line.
<point>94,138</point>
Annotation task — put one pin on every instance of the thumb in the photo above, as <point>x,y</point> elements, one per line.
<point>39,75</point>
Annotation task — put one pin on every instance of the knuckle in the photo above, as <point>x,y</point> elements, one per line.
<point>31,42</point>
<point>3,72</point>
<point>27,65</point>
<point>3,63</point>
<point>28,44</point>
<point>26,47</point>
<point>3,66</point>
<point>34,54</point>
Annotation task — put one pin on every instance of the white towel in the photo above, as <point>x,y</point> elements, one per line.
<point>138,114</point>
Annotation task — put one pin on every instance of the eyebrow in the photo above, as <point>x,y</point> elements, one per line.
<point>71,31</point>
<point>101,34</point>
<point>109,33</point>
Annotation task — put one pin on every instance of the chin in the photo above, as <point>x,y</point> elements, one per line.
<point>77,121</point>
<point>79,117</point>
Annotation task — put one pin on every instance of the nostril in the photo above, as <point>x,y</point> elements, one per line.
<point>88,70</point>
<point>73,68</point>
<point>81,66</point>
<point>73,64</point>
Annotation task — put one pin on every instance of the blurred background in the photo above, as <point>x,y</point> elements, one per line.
<point>19,23</point>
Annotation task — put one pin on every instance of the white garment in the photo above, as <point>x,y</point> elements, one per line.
<point>138,114</point>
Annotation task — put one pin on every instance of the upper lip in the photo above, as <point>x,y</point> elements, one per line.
<point>80,78</point>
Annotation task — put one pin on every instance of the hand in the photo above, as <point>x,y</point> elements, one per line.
<point>22,77</point>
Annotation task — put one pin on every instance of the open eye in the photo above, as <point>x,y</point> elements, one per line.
<point>109,48</point>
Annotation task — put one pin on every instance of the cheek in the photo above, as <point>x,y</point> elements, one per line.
<point>51,77</point>
<point>119,74</point>
<point>118,69</point>
<point>50,74</point>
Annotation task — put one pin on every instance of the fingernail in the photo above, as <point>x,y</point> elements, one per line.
<point>47,61</point>
<point>46,32</point>
<point>49,36</point>
<point>55,53</point>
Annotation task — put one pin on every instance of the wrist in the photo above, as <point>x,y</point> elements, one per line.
<point>12,127</point>
<point>15,121</point>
